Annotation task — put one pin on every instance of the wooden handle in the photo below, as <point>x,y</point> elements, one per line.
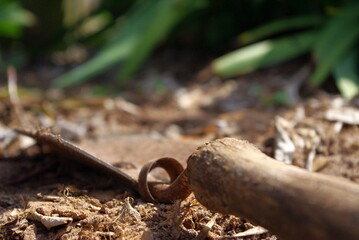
<point>234,177</point>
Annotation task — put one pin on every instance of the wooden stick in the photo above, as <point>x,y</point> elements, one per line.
<point>234,177</point>
<point>70,150</point>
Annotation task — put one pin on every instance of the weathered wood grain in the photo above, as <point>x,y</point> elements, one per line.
<point>233,177</point>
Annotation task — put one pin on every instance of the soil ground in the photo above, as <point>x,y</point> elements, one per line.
<point>129,131</point>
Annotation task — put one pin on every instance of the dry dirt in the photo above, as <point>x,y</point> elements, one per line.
<point>36,184</point>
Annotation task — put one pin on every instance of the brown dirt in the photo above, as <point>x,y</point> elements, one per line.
<point>127,136</point>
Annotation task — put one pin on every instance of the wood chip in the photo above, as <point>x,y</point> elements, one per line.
<point>250,232</point>
<point>48,221</point>
<point>205,230</point>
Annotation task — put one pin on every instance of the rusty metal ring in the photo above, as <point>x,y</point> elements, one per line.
<point>170,165</point>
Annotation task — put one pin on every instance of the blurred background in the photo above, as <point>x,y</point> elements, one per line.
<point>134,80</point>
<point>109,44</point>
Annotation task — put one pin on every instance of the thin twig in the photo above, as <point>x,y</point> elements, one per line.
<point>250,232</point>
<point>206,228</point>
<point>14,96</point>
<point>12,85</point>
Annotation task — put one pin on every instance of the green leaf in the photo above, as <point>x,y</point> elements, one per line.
<point>13,18</point>
<point>164,15</point>
<point>144,27</point>
<point>263,54</point>
<point>336,39</point>
<point>279,26</point>
<point>105,59</point>
<point>346,73</point>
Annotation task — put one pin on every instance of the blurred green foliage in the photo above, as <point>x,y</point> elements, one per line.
<point>146,24</point>
<point>123,34</point>
<point>13,18</point>
<point>332,38</point>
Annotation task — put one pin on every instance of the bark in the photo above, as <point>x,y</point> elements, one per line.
<point>231,176</point>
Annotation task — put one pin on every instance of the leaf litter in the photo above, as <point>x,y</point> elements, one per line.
<point>91,206</point>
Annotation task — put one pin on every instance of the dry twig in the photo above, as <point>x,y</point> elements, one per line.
<point>48,221</point>
<point>250,232</point>
<point>14,97</point>
<point>206,228</point>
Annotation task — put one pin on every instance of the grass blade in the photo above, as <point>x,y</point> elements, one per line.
<point>164,16</point>
<point>336,39</point>
<point>278,26</point>
<point>263,54</point>
<point>133,41</point>
<point>347,75</point>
